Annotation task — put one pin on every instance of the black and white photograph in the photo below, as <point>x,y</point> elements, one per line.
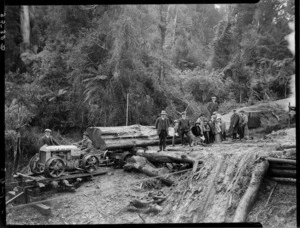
<point>150,114</point>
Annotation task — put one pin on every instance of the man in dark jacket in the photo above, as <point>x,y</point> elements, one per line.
<point>234,124</point>
<point>85,145</point>
<point>162,125</point>
<point>47,139</point>
<point>213,106</point>
<point>184,127</point>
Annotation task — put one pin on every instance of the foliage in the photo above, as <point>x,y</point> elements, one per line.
<point>84,62</point>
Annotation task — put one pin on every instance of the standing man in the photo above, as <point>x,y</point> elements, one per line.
<point>85,144</point>
<point>218,130</point>
<point>206,130</point>
<point>184,129</point>
<point>47,139</point>
<point>234,124</point>
<point>213,106</point>
<point>244,125</point>
<point>162,124</point>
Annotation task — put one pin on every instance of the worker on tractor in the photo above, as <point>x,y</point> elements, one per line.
<point>85,144</point>
<point>47,139</point>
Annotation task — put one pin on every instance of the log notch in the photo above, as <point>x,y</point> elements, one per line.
<point>143,165</point>
<point>248,198</point>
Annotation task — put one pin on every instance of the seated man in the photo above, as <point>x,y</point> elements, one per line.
<point>47,139</point>
<point>85,144</point>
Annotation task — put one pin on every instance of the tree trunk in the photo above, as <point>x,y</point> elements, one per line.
<point>124,137</point>
<point>143,165</point>
<point>286,146</point>
<point>174,26</point>
<point>279,160</point>
<point>282,173</point>
<point>25,27</point>
<point>165,157</point>
<point>284,180</point>
<point>249,196</point>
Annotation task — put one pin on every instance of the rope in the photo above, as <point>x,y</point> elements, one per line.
<point>95,190</point>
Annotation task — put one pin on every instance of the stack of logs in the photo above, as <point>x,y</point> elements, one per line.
<point>125,137</point>
<point>282,163</point>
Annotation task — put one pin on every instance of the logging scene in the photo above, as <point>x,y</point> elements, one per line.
<point>130,114</point>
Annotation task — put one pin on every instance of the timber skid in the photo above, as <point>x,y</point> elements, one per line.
<point>33,188</point>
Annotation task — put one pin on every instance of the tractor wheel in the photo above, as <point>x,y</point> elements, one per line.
<point>55,167</point>
<point>90,163</point>
<point>34,165</point>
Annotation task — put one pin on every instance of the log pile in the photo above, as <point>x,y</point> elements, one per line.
<point>125,137</point>
<point>282,163</point>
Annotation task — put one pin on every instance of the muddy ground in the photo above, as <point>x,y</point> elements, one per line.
<point>204,198</point>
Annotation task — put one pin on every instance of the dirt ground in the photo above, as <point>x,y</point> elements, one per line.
<point>204,198</point>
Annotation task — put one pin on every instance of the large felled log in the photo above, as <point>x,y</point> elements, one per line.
<point>167,157</point>
<point>282,173</point>
<point>279,160</point>
<point>143,165</point>
<point>132,130</point>
<point>248,198</point>
<point>284,180</point>
<point>286,146</point>
<point>125,137</point>
<point>282,166</point>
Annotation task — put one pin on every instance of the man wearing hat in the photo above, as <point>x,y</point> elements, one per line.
<point>234,124</point>
<point>197,132</point>
<point>162,124</point>
<point>85,144</point>
<point>47,139</point>
<point>213,105</point>
<point>243,125</point>
<point>184,128</point>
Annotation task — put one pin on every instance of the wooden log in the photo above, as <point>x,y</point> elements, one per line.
<point>282,173</point>
<point>286,146</point>
<point>284,180</point>
<point>124,137</point>
<point>279,160</point>
<point>132,130</point>
<point>166,157</point>
<point>141,164</point>
<point>282,166</point>
<point>248,198</point>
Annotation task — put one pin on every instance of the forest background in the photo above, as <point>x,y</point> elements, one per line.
<point>71,67</point>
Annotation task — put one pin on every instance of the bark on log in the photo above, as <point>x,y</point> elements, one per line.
<point>286,146</point>
<point>143,165</point>
<point>282,173</point>
<point>279,160</point>
<point>251,192</point>
<point>282,179</point>
<point>282,166</point>
<point>166,157</point>
<point>132,130</point>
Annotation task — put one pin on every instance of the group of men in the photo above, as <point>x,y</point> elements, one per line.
<point>239,125</point>
<point>206,130</point>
